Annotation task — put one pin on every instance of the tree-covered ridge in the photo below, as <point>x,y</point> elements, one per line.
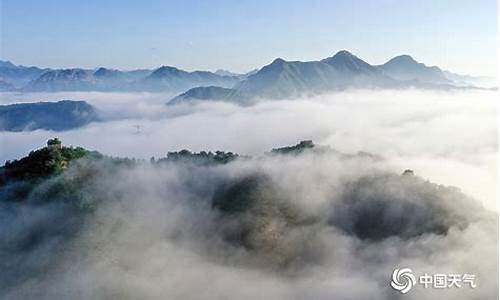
<point>254,205</point>
<point>296,149</point>
<point>46,161</point>
<point>57,173</point>
<point>202,157</point>
<point>55,158</point>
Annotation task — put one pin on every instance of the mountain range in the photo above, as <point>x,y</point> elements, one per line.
<point>291,79</point>
<point>162,79</point>
<point>279,79</point>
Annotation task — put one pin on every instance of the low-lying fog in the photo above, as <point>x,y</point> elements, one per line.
<point>447,137</point>
<point>318,225</point>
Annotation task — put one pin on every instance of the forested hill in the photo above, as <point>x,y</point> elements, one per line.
<point>256,203</point>
<point>55,158</point>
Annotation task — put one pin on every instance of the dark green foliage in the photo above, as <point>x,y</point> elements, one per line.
<point>255,194</point>
<point>377,207</point>
<point>43,162</point>
<point>260,215</point>
<point>299,148</point>
<point>54,142</point>
<point>20,178</point>
<point>201,158</point>
<point>240,195</point>
<point>256,211</point>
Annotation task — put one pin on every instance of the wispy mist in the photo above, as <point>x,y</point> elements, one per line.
<point>449,137</point>
<point>313,226</point>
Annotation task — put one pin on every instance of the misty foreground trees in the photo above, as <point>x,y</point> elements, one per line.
<point>285,211</point>
<point>20,178</point>
<point>364,208</point>
<point>373,207</point>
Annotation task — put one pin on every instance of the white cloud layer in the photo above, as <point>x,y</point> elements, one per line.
<point>448,137</point>
<point>157,233</point>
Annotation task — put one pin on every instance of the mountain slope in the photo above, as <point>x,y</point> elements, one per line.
<point>102,79</point>
<point>162,79</point>
<point>18,76</point>
<point>203,93</point>
<point>290,79</point>
<point>168,78</point>
<point>5,86</point>
<point>279,80</point>
<point>283,79</point>
<point>348,62</point>
<point>404,67</point>
<point>63,80</point>
<point>62,115</point>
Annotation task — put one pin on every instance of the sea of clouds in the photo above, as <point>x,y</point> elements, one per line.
<point>310,232</point>
<point>448,137</point>
<point>317,226</point>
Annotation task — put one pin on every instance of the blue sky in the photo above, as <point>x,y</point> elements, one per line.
<point>459,35</point>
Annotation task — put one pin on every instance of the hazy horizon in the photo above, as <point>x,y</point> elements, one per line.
<point>253,69</point>
<point>240,37</point>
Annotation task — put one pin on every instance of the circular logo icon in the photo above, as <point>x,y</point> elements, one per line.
<point>403,280</point>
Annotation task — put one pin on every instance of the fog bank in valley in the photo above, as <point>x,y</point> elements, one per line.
<point>448,137</point>
<point>318,225</point>
<point>328,223</point>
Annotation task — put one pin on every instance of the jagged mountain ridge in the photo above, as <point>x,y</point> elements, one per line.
<point>15,77</point>
<point>291,79</point>
<point>279,79</point>
<point>163,79</point>
<point>174,79</point>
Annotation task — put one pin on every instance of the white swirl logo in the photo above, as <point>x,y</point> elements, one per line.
<point>403,280</point>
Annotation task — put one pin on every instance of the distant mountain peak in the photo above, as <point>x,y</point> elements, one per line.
<point>346,61</point>
<point>276,64</point>
<point>278,79</point>
<point>101,69</point>
<point>275,67</point>
<point>405,67</point>
<point>278,61</point>
<point>6,64</point>
<point>203,93</point>
<point>222,72</point>
<point>403,59</point>
<point>105,72</point>
<point>64,73</point>
<point>344,54</point>
<point>167,68</point>
<point>165,71</point>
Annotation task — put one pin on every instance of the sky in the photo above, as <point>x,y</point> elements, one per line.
<point>457,35</point>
